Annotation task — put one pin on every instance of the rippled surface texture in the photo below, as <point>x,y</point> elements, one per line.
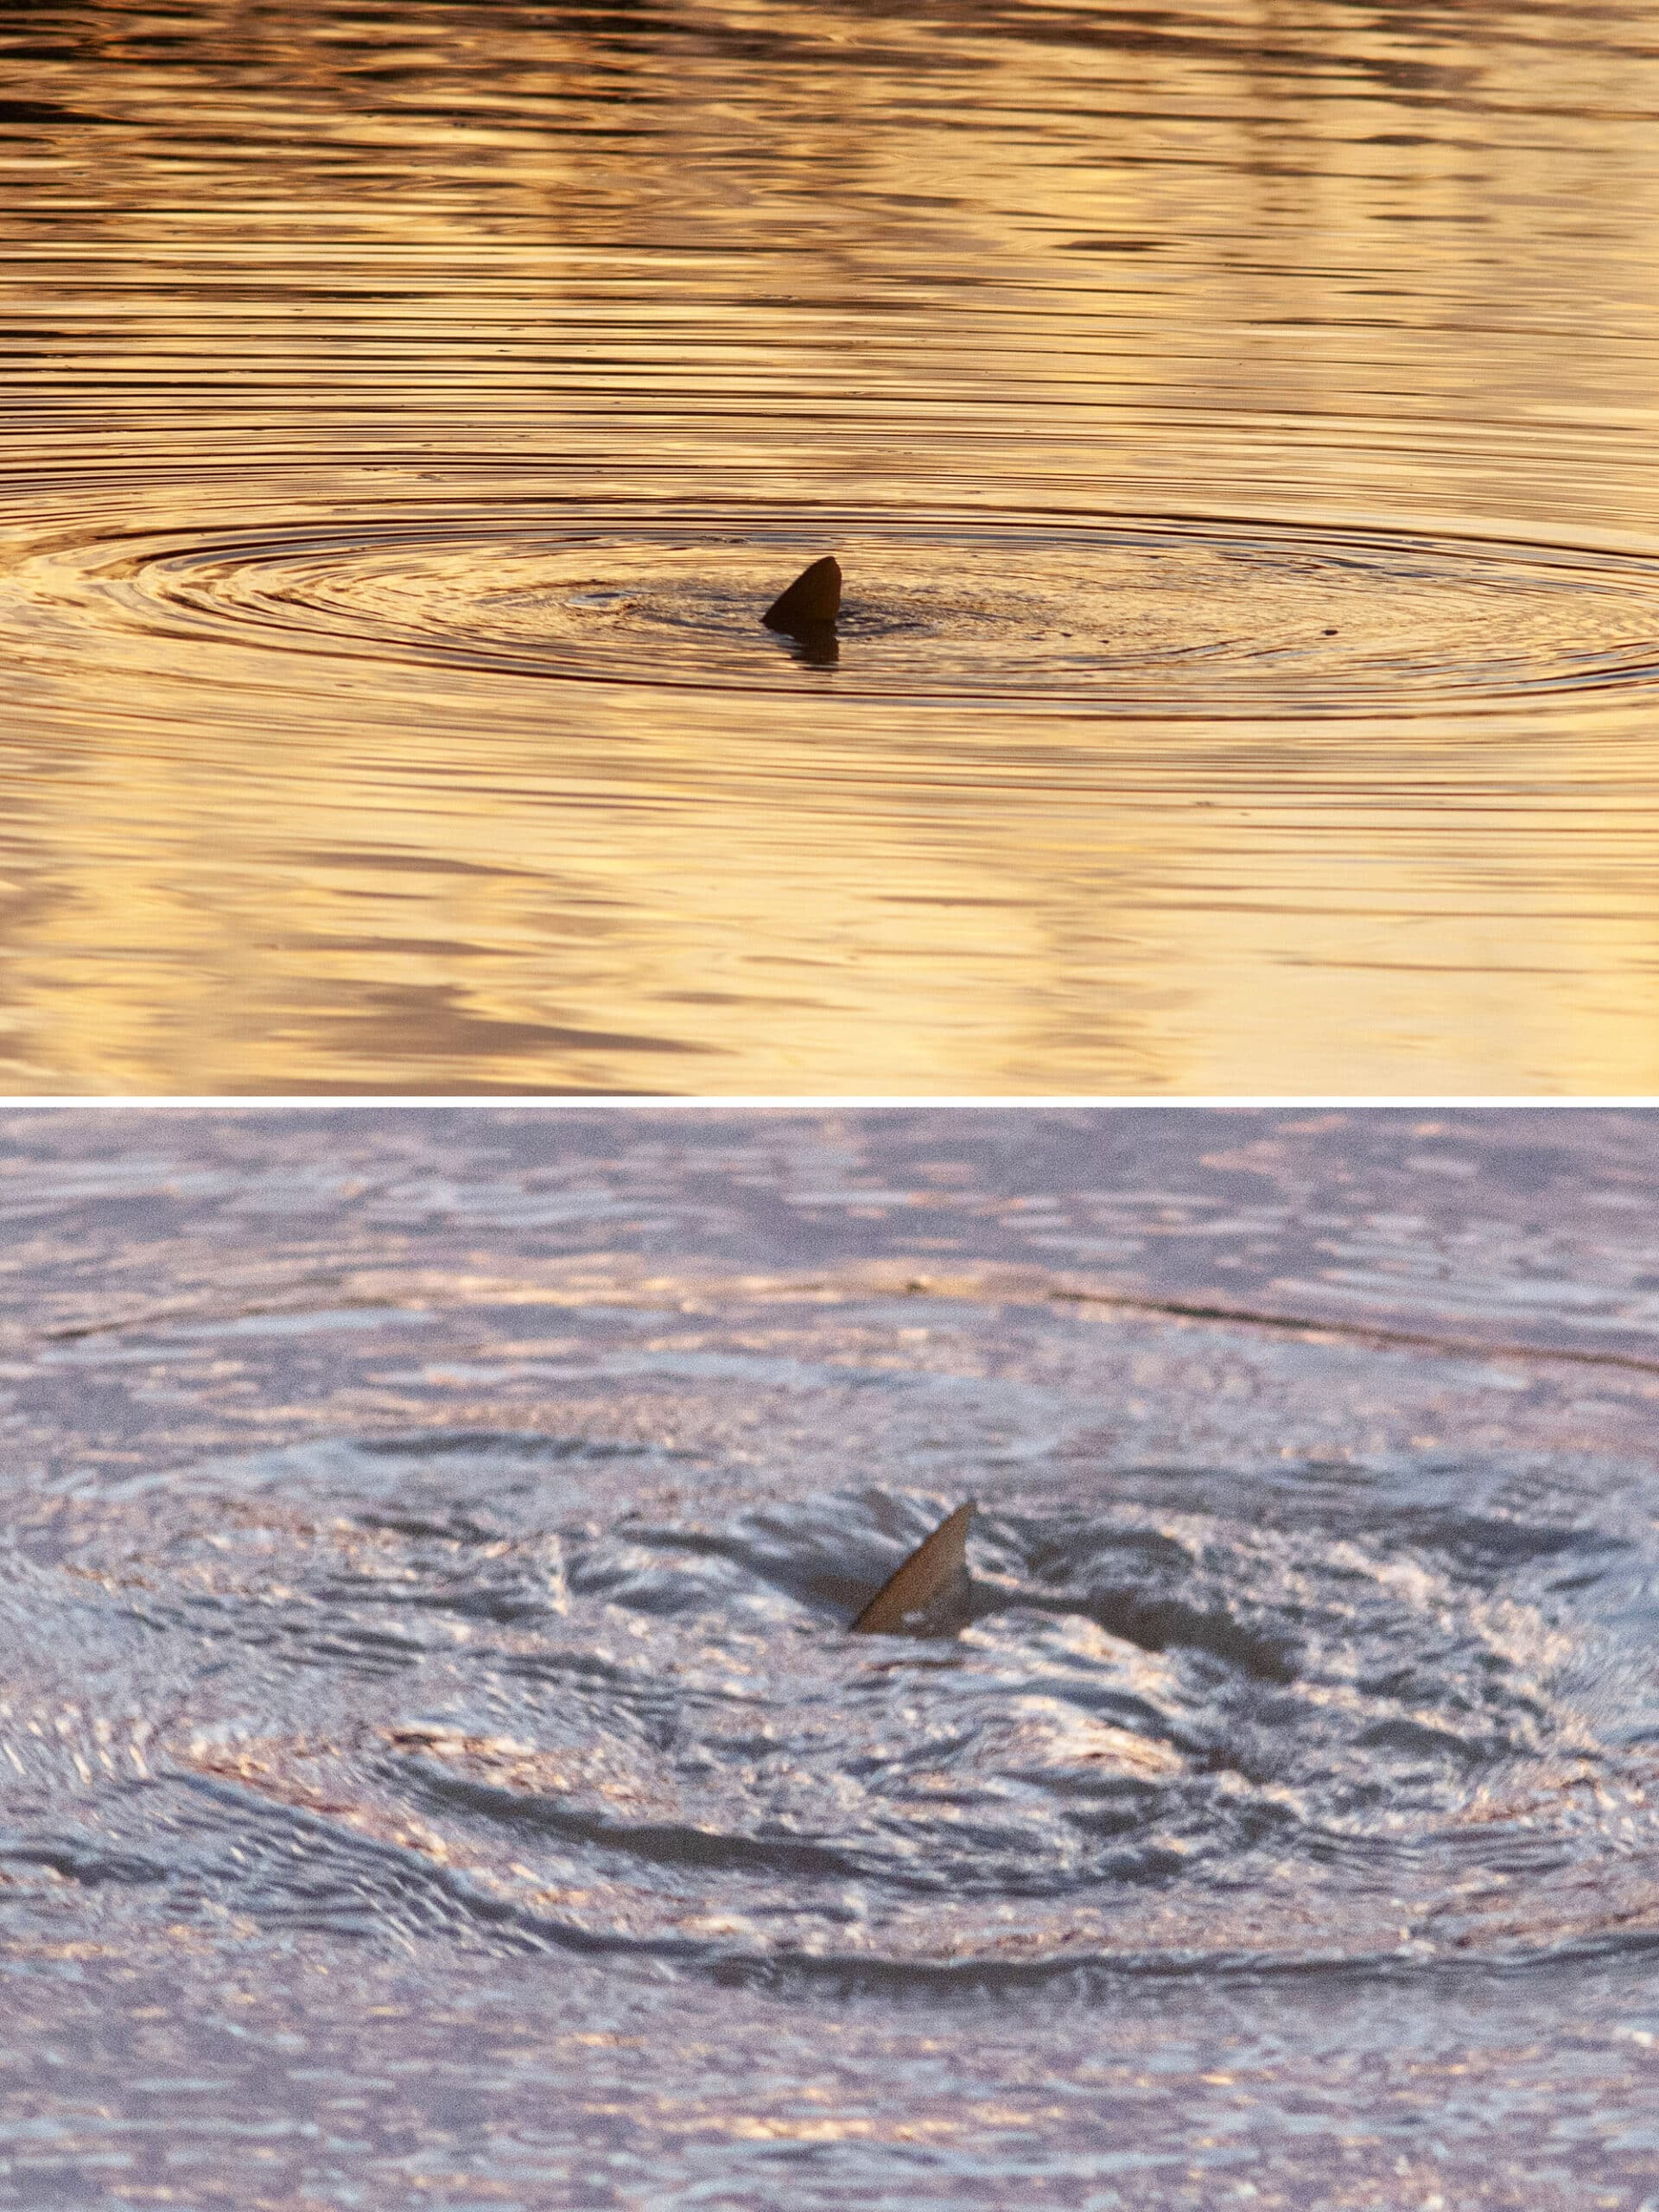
<point>1237,428</point>
<point>433,1766</point>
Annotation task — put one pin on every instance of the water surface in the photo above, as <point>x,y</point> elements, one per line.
<point>436,1768</point>
<point>1236,426</point>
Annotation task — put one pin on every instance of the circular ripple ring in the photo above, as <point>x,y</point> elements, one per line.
<point>1122,615</point>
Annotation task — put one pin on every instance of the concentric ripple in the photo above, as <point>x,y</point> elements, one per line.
<point>1113,615</point>
<point>1163,1742</point>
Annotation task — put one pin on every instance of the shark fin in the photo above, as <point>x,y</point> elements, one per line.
<point>812,601</point>
<point>932,1579</point>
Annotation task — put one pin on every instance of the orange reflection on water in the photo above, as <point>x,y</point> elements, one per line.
<point>487,281</point>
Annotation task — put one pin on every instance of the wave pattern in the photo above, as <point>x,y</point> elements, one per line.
<point>1109,617</point>
<point>433,1759</point>
<point>1181,1741</point>
<point>1241,438</point>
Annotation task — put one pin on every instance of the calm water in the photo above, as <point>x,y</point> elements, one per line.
<point>1239,428</point>
<point>436,1771</point>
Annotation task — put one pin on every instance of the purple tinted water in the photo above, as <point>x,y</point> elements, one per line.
<point>435,1772</point>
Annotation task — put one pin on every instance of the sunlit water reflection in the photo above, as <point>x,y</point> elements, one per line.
<point>435,1753</point>
<point>1238,432</point>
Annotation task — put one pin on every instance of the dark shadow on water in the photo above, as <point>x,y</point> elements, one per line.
<point>814,643</point>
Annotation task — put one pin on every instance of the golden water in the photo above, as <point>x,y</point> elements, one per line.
<point>1238,428</point>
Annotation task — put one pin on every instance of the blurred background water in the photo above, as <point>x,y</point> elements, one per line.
<point>1237,426</point>
<point>434,1769</point>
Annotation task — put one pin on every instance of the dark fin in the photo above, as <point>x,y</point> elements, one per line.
<point>811,602</point>
<point>927,1596</point>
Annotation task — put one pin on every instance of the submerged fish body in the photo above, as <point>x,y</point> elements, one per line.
<point>811,602</point>
<point>928,1594</point>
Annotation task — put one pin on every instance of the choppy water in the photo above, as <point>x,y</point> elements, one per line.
<point>433,1760</point>
<point>1237,428</point>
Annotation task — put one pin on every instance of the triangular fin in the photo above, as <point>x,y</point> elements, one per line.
<point>811,602</point>
<point>936,1569</point>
